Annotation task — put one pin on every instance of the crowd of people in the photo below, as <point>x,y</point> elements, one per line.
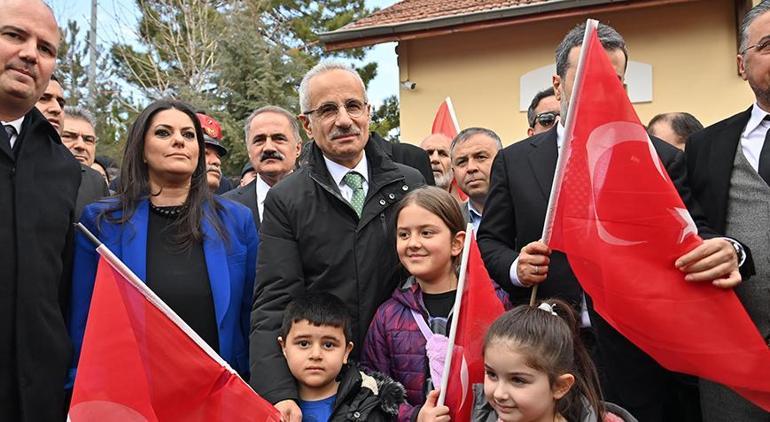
<point>326,276</point>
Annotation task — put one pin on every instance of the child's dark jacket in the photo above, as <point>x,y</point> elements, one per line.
<point>362,397</point>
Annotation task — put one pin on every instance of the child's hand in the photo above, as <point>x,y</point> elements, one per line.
<point>290,412</point>
<point>432,413</point>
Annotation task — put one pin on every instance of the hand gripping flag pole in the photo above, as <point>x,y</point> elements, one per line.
<point>569,124</point>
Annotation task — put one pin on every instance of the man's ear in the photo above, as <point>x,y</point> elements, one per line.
<point>530,132</point>
<point>348,349</point>
<point>556,82</point>
<point>742,66</point>
<point>282,344</point>
<point>562,385</point>
<point>305,125</point>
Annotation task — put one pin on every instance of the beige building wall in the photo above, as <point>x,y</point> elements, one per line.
<point>691,47</point>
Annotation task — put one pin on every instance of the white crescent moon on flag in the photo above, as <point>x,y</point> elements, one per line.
<point>601,140</point>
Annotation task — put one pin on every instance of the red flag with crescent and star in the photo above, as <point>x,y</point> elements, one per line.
<point>620,221</point>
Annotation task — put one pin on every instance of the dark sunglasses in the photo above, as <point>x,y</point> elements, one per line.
<point>547,119</point>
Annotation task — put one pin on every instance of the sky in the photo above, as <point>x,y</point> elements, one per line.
<point>114,18</point>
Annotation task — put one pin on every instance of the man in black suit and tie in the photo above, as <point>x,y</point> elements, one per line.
<point>728,167</point>
<point>511,228</point>
<point>38,184</point>
<point>273,143</point>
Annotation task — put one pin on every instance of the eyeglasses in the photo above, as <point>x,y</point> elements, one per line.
<point>761,47</point>
<point>547,118</point>
<point>70,136</point>
<point>330,111</point>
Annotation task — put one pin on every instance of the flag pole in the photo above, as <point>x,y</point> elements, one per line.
<point>455,313</point>
<point>564,154</point>
<point>153,298</point>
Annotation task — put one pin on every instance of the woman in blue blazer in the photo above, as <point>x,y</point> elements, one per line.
<point>196,251</point>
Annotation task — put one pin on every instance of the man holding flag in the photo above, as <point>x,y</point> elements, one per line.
<point>728,165</point>
<point>510,233</point>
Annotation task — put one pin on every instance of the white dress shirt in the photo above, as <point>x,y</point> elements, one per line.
<point>262,188</point>
<point>474,216</point>
<point>16,125</point>
<point>753,136</point>
<point>338,171</point>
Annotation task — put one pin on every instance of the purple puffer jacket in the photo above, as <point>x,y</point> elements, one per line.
<point>395,346</point>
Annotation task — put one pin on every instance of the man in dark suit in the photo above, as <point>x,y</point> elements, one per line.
<point>510,232</point>
<point>78,133</point>
<point>38,184</point>
<point>408,155</point>
<point>473,151</point>
<point>76,127</point>
<point>273,144</point>
<point>728,167</point>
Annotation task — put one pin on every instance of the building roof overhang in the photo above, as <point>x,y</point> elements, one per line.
<point>357,35</point>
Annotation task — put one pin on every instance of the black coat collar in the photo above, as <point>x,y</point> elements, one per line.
<point>542,159</point>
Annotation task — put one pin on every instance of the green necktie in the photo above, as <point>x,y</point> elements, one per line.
<point>356,183</point>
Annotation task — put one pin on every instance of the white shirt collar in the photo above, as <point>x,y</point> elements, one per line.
<point>559,136</point>
<point>757,116</point>
<point>472,210</point>
<point>338,171</point>
<point>262,188</point>
<point>16,124</point>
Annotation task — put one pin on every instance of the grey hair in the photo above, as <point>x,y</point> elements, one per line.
<point>80,113</point>
<point>608,36</point>
<point>272,109</point>
<point>535,102</point>
<point>470,132</point>
<point>322,67</point>
<point>751,15</point>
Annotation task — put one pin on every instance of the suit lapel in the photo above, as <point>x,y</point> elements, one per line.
<point>216,264</point>
<point>249,193</point>
<point>542,160</point>
<point>721,158</point>
<point>134,241</point>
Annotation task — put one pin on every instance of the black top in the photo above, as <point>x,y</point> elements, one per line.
<point>439,305</point>
<point>180,277</point>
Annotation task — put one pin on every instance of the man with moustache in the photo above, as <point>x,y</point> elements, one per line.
<point>328,226</point>
<point>212,136</point>
<point>510,232</point>
<point>273,143</point>
<point>473,151</point>
<point>78,134</point>
<point>728,166</point>
<point>38,185</point>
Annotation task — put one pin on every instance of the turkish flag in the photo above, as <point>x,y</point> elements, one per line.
<point>479,308</point>
<point>622,225</point>
<point>139,364</point>
<point>445,123</point>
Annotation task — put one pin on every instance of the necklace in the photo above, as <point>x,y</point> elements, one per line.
<point>172,211</point>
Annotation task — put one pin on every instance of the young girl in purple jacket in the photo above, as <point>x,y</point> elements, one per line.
<point>429,241</point>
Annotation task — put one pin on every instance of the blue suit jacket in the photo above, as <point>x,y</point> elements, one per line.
<point>231,268</point>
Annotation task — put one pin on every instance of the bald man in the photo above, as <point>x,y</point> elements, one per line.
<point>39,181</point>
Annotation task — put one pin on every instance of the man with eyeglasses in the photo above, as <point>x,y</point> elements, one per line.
<point>79,136</point>
<point>511,229</point>
<point>328,226</point>
<point>728,167</point>
<point>543,112</point>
